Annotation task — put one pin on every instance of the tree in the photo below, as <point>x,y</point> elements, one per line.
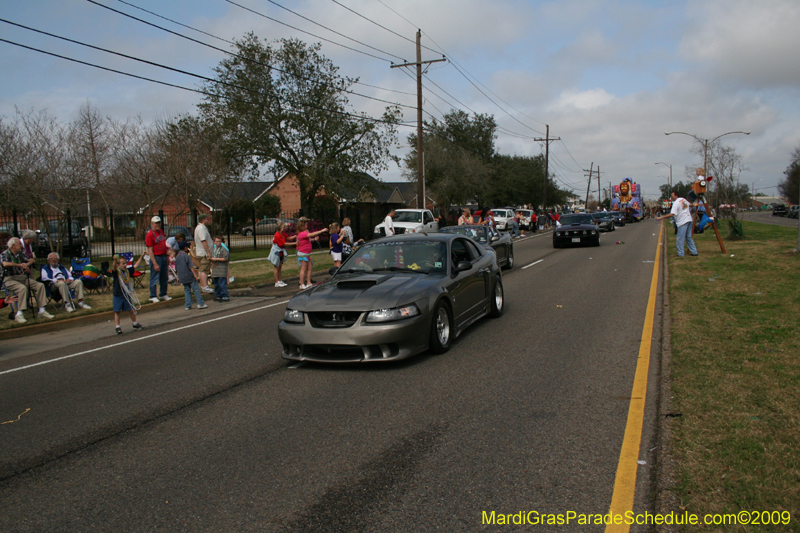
<point>91,139</point>
<point>191,163</point>
<point>284,106</point>
<point>790,187</point>
<point>679,188</point>
<point>518,180</point>
<point>458,157</point>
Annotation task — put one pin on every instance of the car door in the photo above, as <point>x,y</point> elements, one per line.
<point>499,247</point>
<point>468,287</point>
<point>431,226</point>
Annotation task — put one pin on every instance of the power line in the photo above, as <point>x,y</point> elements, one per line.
<point>225,51</point>
<point>187,73</point>
<point>227,41</point>
<point>381,26</point>
<point>199,91</point>
<point>175,22</point>
<point>316,23</point>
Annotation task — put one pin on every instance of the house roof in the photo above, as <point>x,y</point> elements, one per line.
<point>247,190</point>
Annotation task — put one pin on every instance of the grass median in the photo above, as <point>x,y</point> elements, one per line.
<point>736,373</point>
<point>249,272</point>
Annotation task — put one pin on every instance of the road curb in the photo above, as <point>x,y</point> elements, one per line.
<point>104,316</point>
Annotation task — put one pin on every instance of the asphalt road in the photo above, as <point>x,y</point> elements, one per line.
<point>207,429</point>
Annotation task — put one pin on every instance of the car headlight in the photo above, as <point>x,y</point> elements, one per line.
<point>294,316</point>
<point>388,315</point>
<point>594,232</point>
<point>559,233</point>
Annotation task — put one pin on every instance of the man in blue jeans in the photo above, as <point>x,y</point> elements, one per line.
<point>683,219</point>
<point>156,243</point>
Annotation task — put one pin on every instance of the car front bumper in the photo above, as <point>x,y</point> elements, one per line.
<point>358,343</point>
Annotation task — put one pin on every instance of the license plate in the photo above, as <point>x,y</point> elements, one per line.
<point>576,239</point>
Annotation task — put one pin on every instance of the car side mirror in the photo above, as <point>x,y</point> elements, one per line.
<point>495,238</point>
<point>462,266</point>
<point>333,270</point>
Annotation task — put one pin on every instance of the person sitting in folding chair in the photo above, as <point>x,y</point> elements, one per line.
<point>18,280</point>
<point>61,282</point>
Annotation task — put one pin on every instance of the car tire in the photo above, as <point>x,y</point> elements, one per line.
<point>597,242</point>
<point>248,233</point>
<point>497,301</point>
<point>510,260</point>
<point>556,245</point>
<point>441,329</point>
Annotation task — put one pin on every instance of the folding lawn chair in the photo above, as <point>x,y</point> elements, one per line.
<point>54,298</point>
<point>7,293</point>
<point>138,275</point>
<point>92,278</point>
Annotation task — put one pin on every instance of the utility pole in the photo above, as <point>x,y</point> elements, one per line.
<point>420,160</point>
<point>588,186</point>
<point>547,140</point>
<point>598,186</point>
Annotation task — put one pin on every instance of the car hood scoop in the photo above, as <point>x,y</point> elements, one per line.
<point>366,292</point>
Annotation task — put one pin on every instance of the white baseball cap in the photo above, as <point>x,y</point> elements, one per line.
<point>155,219</point>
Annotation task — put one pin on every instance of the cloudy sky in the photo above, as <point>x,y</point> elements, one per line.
<point>609,77</point>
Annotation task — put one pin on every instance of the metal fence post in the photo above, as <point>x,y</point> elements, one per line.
<point>69,232</point>
<point>228,224</point>
<point>16,223</point>
<point>111,230</point>
<point>254,228</point>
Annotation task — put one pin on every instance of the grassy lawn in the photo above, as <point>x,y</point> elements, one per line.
<point>246,274</point>
<point>736,374</point>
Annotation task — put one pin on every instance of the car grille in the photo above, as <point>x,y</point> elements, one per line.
<point>331,319</point>
<point>338,352</point>
<point>399,231</point>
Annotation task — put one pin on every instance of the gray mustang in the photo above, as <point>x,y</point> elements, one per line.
<point>394,298</point>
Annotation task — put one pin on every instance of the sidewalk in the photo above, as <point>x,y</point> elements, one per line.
<point>148,310</point>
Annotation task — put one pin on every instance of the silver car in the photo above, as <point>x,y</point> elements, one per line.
<point>393,298</point>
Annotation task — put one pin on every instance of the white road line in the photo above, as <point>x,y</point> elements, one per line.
<point>536,263</point>
<point>141,338</point>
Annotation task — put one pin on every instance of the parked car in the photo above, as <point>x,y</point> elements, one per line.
<point>500,243</point>
<point>393,298</point>
<point>267,226</point>
<point>409,221</point>
<point>577,228</point>
<point>502,218</point>
<point>779,210</point>
<point>619,218</point>
<point>73,242</point>
<point>604,221</point>
<point>174,230</point>
<point>793,211</point>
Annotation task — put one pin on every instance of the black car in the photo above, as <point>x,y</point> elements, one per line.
<point>604,221</point>
<point>73,242</point>
<point>577,228</point>
<point>779,210</point>
<point>619,218</point>
<point>500,243</point>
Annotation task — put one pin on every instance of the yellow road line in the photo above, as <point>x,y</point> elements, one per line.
<point>625,482</point>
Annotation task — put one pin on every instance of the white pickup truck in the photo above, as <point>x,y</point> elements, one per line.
<point>409,221</point>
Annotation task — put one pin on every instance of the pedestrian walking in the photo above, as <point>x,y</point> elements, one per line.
<point>388,223</point>
<point>187,276</point>
<point>123,296</point>
<point>681,210</point>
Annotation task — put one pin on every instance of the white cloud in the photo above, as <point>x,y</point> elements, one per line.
<point>582,100</point>
<point>752,42</point>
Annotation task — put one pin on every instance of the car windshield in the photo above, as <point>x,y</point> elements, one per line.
<point>602,215</point>
<point>424,257</point>
<point>407,216</point>
<point>476,233</point>
<point>577,218</point>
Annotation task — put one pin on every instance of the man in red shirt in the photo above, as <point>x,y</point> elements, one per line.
<point>156,243</point>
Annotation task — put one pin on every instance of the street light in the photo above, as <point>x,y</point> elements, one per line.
<point>670,174</point>
<point>705,143</point>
